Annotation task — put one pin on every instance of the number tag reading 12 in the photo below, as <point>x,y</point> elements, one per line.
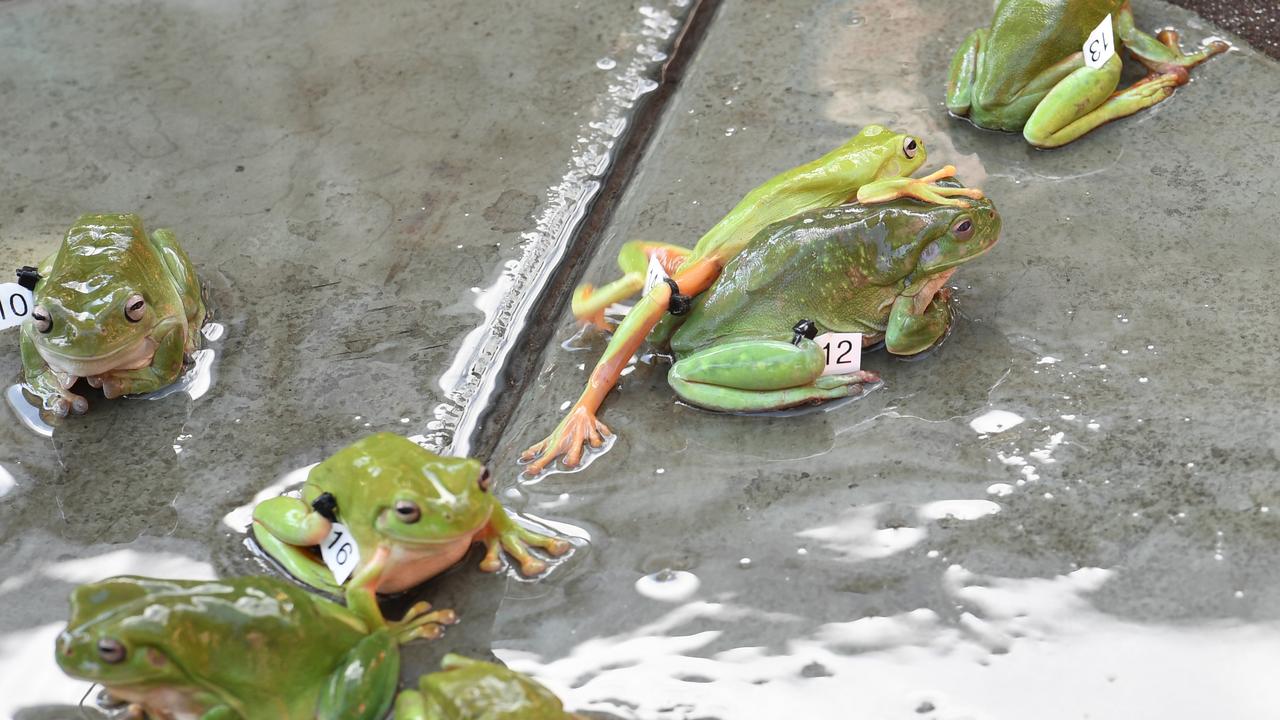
<point>16,303</point>
<point>340,552</point>
<point>1101,45</point>
<point>842,352</point>
<point>655,275</point>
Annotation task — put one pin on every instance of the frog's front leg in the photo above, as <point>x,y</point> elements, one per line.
<point>165,367</point>
<point>363,687</point>
<point>43,382</point>
<point>589,303</point>
<point>924,189</point>
<point>287,528</point>
<point>505,533</point>
<point>759,375</point>
<point>913,329</point>
<point>362,599</point>
<point>964,72</point>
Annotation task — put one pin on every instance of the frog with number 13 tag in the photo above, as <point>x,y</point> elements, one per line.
<point>1050,68</point>
<point>871,272</point>
<point>385,515</point>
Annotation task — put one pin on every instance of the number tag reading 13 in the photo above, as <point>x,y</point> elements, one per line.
<point>841,351</point>
<point>16,303</point>
<point>340,552</point>
<point>1101,45</point>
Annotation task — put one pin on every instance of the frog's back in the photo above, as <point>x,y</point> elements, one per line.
<point>1027,36</point>
<point>795,269</point>
<point>114,243</point>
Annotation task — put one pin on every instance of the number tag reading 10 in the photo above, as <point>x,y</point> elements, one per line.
<point>340,552</point>
<point>16,303</point>
<point>1101,45</point>
<point>655,275</point>
<point>842,352</point>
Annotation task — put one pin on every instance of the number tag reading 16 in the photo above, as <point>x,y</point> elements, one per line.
<point>340,552</point>
<point>16,303</point>
<point>1101,45</point>
<point>842,352</point>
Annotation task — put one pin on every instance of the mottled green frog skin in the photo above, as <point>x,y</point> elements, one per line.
<point>412,513</point>
<point>250,648</point>
<point>1027,71</point>
<point>114,306</point>
<point>877,270</point>
<point>468,689</point>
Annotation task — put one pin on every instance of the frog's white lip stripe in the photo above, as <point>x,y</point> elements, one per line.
<point>130,357</point>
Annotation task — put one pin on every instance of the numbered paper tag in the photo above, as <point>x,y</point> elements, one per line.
<point>340,552</point>
<point>16,303</point>
<point>1101,44</point>
<point>655,275</point>
<point>842,351</point>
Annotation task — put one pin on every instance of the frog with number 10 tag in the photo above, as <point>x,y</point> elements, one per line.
<point>115,306</point>
<point>1050,68</point>
<point>880,270</point>
<point>410,515</point>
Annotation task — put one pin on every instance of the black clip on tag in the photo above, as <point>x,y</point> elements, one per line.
<point>327,506</point>
<point>28,277</point>
<point>804,330</point>
<point>678,304</point>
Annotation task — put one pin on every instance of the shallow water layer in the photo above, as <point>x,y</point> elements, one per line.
<point>1068,510</point>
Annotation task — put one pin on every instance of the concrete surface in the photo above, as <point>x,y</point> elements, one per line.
<point>1067,511</point>
<point>1110,555</point>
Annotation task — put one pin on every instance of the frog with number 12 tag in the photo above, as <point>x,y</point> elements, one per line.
<point>385,515</point>
<point>870,272</point>
<point>1050,68</point>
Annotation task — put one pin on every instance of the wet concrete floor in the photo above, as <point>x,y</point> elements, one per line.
<point>1069,510</point>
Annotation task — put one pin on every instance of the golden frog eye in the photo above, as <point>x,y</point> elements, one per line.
<point>909,147</point>
<point>134,307</point>
<point>963,229</point>
<point>111,651</point>
<point>485,481</point>
<point>42,319</point>
<point>408,512</point>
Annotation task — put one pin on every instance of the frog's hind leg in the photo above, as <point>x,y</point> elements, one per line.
<point>1162,54</point>
<point>364,686</point>
<point>286,527</point>
<point>589,302</point>
<point>964,72</point>
<point>760,375</point>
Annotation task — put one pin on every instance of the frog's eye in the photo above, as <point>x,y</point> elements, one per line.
<point>134,307</point>
<point>43,321</point>
<point>111,650</point>
<point>963,229</point>
<point>909,147</point>
<point>485,480</point>
<point>407,512</point>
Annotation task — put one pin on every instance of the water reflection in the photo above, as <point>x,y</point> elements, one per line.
<point>1018,647</point>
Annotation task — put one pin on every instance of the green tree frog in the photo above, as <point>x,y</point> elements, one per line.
<point>115,306</point>
<point>249,648</point>
<point>1027,71</point>
<point>874,166</point>
<point>468,689</point>
<point>412,514</point>
<point>879,270</point>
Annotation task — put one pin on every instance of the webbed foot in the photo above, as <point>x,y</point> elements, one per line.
<point>422,622</point>
<point>506,534</point>
<point>579,429</point>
